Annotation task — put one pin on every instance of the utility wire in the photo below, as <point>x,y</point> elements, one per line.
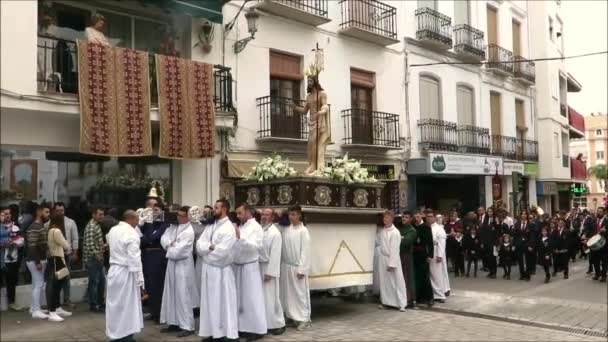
<point>513,61</point>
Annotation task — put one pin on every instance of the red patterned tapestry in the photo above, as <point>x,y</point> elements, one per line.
<point>114,90</point>
<point>187,111</point>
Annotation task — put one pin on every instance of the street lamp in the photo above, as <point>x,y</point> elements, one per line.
<point>252,20</point>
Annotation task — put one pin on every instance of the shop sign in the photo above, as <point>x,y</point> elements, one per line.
<point>578,188</point>
<point>563,187</point>
<point>546,188</point>
<point>462,164</point>
<point>530,169</point>
<point>510,167</point>
<point>385,172</point>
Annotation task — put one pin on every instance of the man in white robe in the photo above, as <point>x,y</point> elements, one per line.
<point>219,315</point>
<point>436,267</point>
<point>178,294</point>
<point>295,265</point>
<point>446,275</point>
<point>270,265</point>
<point>390,274</point>
<point>250,300</point>
<point>125,281</point>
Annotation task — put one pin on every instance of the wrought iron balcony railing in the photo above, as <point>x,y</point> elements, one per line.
<point>499,59</point>
<point>316,7</point>
<point>365,127</point>
<point>504,146</point>
<point>473,139</point>
<point>370,15</point>
<point>469,41</point>
<point>524,69</point>
<point>58,73</point>
<point>439,135</point>
<point>434,26</point>
<point>278,119</point>
<point>527,150</point>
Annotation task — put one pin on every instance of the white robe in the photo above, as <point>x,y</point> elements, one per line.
<point>392,284</point>
<point>270,264</point>
<point>178,299</point>
<point>125,277</point>
<point>219,315</point>
<point>198,263</point>
<point>438,270</point>
<point>295,259</point>
<point>375,276</point>
<point>250,302</point>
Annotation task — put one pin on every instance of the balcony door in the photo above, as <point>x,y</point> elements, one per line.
<point>498,144</point>
<point>520,121</point>
<point>462,12</point>
<point>361,110</point>
<point>516,27</point>
<point>285,82</point>
<point>492,17</point>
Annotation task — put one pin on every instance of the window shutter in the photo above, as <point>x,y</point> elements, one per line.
<point>464,99</point>
<point>520,115</point>
<point>285,66</point>
<point>362,78</point>
<point>429,98</point>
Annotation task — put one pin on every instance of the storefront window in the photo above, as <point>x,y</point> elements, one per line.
<point>80,181</point>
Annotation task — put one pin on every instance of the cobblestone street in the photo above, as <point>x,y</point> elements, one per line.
<point>478,310</point>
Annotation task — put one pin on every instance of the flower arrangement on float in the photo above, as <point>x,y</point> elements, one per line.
<point>271,167</point>
<point>345,169</point>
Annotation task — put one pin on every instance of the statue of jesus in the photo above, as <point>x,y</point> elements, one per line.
<point>318,134</point>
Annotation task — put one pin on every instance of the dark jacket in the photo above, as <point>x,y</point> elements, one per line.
<point>472,246</point>
<point>423,245</point>
<point>545,248</point>
<point>506,253</point>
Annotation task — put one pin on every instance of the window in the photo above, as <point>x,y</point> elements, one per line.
<point>599,155</point>
<point>362,84</point>
<point>492,22</point>
<point>580,202</point>
<point>430,98</point>
<point>598,132</point>
<point>465,105</point>
<point>551,29</point>
<point>495,114</point>
<point>516,30</point>
<point>565,150</point>
<point>285,81</point>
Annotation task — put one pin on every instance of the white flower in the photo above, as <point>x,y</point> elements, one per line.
<point>270,168</point>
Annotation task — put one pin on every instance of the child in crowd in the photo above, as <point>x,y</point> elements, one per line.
<point>458,253</point>
<point>545,248</point>
<point>472,249</point>
<point>505,252</point>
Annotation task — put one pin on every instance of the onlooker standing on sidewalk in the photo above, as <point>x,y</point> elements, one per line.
<point>11,241</point>
<point>92,255</point>
<point>488,235</point>
<point>55,265</point>
<point>71,235</point>
<point>545,247</point>
<point>505,252</point>
<point>36,257</point>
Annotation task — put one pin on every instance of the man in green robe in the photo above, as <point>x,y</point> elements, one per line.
<point>408,237</point>
<point>423,255</point>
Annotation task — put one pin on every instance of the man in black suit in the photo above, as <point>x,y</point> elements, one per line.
<point>600,257</point>
<point>488,236</point>
<point>423,255</point>
<point>521,241</point>
<point>561,256</point>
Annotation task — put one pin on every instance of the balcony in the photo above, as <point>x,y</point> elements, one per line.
<point>364,128</point>
<point>504,146</point>
<point>369,20</point>
<point>311,12</point>
<point>527,150</point>
<point>499,60</point>
<point>434,28</point>
<point>523,70</point>
<point>578,169</point>
<point>58,73</point>
<point>577,124</point>
<point>437,135</point>
<point>473,139</point>
<point>468,43</point>
<point>279,121</point>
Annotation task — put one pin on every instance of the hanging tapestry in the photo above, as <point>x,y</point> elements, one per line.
<point>186,108</point>
<point>114,91</point>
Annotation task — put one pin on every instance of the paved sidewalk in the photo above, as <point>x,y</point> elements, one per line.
<point>578,302</point>
<point>334,320</point>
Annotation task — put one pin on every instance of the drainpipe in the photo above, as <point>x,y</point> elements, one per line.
<point>406,76</point>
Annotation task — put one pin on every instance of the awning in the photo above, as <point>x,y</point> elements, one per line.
<point>573,85</point>
<point>210,9</point>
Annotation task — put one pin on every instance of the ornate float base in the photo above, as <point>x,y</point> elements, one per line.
<point>341,218</point>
